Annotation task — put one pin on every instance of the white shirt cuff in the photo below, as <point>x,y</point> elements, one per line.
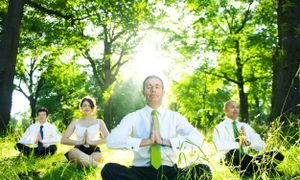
<point>176,143</point>
<point>133,144</point>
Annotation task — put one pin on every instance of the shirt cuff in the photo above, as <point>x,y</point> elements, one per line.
<point>176,143</point>
<point>133,144</point>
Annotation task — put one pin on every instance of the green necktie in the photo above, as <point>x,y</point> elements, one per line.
<point>236,135</point>
<point>155,150</point>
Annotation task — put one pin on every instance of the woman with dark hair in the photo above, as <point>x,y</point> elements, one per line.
<point>85,134</point>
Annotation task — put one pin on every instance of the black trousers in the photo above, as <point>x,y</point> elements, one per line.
<point>251,164</point>
<point>114,171</point>
<point>36,151</point>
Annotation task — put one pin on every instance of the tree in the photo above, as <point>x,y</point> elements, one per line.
<point>64,87</point>
<point>238,34</point>
<point>200,97</point>
<point>9,49</point>
<point>286,60</point>
<point>127,98</point>
<point>33,83</point>
<point>118,23</point>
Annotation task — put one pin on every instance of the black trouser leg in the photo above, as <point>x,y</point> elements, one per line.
<point>45,151</point>
<point>113,171</point>
<point>269,160</point>
<point>51,149</point>
<point>24,149</point>
<point>240,161</point>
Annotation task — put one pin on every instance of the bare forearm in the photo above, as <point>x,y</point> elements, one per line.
<point>68,141</point>
<point>97,142</point>
<point>146,142</point>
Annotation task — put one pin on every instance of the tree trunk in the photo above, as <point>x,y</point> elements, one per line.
<point>33,108</point>
<point>108,114</point>
<point>8,55</point>
<point>285,87</point>
<point>242,95</point>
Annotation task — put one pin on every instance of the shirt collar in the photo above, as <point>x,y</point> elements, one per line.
<point>42,124</point>
<point>160,110</point>
<point>230,120</point>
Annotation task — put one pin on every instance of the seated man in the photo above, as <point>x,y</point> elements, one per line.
<point>42,136</point>
<point>233,139</point>
<point>155,135</point>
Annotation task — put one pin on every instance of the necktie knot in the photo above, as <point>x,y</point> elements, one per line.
<point>154,113</point>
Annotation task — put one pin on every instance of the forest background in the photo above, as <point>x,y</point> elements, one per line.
<point>55,52</point>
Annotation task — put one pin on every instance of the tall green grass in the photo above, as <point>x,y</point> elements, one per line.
<point>279,136</point>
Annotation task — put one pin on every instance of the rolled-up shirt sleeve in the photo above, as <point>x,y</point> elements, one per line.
<point>120,136</point>
<point>223,141</point>
<point>29,137</point>
<point>188,136</point>
<point>53,136</point>
<point>256,142</point>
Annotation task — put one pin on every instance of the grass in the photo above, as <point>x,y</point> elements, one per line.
<point>13,166</point>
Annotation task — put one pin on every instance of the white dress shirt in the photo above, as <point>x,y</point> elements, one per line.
<point>137,126</point>
<point>224,137</point>
<point>50,134</point>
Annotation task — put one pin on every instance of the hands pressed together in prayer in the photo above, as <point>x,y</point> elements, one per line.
<point>85,140</point>
<point>39,139</point>
<point>155,137</point>
<point>243,137</point>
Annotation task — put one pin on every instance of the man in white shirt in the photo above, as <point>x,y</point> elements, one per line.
<point>41,137</point>
<point>148,129</point>
<point>233,139</point>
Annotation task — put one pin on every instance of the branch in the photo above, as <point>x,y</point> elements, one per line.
<point>40,84</point>
<point>252,79</point>
<point>18,88</point>
<point>119,63</point>
<point>48,11</point>
<point>247,13</point>
<point>249,58</point>
<point>92,62</point>
<point>224,76</point>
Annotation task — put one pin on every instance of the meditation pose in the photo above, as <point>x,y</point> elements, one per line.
<point>233,139</point>
<point>86,139</point>
<point>39,138</point>
<point>155,135</point>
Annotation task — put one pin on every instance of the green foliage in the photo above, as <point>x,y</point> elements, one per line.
<point>200,98</point>
<point>127,98</point>
<point>62,91</point>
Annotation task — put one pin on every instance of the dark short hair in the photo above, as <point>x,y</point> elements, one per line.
<point>149,77</point>
<point>89,100</point>
<point>43,109</point>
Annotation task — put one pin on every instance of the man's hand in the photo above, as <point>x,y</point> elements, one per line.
<point>38,139</point>
<point>155,131</point>
<point>243,137</point>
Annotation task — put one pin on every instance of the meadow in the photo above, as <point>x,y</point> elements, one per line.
<point>14,166</point>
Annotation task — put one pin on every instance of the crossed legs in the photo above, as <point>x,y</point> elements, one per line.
<point>251,164</point>
<point>84,159</point>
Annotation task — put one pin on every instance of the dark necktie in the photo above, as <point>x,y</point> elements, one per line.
<point>40,145</point>
<point>155,150</point>
<point>236,135</point>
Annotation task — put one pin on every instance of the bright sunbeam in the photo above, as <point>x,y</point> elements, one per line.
<point>149,60</point>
